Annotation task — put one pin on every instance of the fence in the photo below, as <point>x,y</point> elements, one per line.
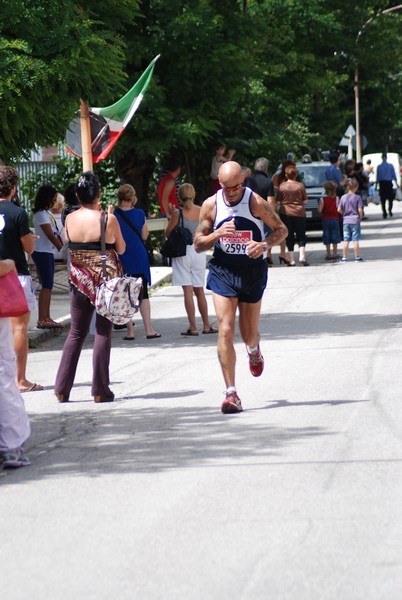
<point>28,170</point>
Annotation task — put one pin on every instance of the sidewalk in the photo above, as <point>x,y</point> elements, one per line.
<point>60,306</point>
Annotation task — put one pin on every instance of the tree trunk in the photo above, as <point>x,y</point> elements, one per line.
<point>138,172</point>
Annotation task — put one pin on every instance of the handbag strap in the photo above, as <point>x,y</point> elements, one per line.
<point>130,224</point>
<point>103,243</point>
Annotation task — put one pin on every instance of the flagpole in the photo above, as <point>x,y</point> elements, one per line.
<point>86,141</point>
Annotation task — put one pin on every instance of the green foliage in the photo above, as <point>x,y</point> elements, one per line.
<point>267,76</point>
<point>51,55</point>
<point>67,172</point>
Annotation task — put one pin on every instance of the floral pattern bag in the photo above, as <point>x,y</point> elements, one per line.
<point>119,298</point>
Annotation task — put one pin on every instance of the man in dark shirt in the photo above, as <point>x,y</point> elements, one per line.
<point>261,183</point>
<point>16,239</point>
<point>385,176</point>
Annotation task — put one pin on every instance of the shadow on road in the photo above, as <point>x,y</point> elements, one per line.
<point>124,440</point>
<point>286,325</point>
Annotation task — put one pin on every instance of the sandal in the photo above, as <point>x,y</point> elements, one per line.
<point>48,324</point>
<point>189,333</point>
<point>35,387</point>
<point>210,330</point>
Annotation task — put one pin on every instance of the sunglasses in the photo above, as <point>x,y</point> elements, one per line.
<point>233,188</point>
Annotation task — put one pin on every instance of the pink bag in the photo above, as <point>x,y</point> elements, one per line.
<point>12,297</point>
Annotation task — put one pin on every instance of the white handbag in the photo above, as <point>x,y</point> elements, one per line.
<point>119,298</point>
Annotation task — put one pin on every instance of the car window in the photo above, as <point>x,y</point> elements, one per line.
<point>312,175</point>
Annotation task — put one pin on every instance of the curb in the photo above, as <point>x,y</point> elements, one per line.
<point>38,336</point>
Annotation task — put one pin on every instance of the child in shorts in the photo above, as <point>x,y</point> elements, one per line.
<point>351,207</point>
<point>328,208</point>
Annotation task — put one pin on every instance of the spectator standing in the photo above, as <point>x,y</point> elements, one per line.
<point>328,208</point>
<point>189,271</point>
<point>261,183</point>
<point>292,197</point>
<point>16,239</point>
<point>48,241</point>
<point>385,176</point>
<point>71,202</point>
<point>351,207</point>
<point>167,193</point>
<point>217,161</point>
<point>333,173</point>
<point>57,210</point>
<point>368,168</point>
<point>14,423</point>
<point>363,181</point>
<point>135,258</point>
<point>83,228</point>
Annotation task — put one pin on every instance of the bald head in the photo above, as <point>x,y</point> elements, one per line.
<point>230,173</point>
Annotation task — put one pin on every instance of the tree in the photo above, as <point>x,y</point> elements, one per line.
<point>52,54</point>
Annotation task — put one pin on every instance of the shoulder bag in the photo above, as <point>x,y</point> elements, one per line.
<point>133,227</point>
<point>117,299</point>
<point>176,244</point>
<point>13,302</point>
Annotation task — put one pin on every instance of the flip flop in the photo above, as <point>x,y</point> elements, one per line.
<point>210,330</point>
<point>49,324</point>
<point>127,337</point>
<point>35,387</point>
<point>189,333</point>
<point>153,336</point>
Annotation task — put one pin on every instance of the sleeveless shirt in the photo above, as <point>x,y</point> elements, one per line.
<point>231,250</point>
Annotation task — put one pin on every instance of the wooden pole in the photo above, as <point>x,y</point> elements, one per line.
<point>86,141</point>
<point>357,114</point>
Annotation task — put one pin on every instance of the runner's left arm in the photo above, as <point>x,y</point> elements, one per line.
<point>260,208</point>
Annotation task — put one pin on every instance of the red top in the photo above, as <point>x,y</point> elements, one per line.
<point>330,210</point>
<point>172,196</point>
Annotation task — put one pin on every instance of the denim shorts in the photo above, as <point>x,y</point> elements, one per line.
<point>44,262</point>
<point>330,231</point>
<point>351,233</point>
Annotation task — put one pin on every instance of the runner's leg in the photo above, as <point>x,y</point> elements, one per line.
<point>225,309</point>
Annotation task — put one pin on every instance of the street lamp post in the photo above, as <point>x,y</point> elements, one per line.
<point>356,80</point>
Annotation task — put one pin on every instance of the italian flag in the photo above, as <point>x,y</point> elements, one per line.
<point>108,123</point>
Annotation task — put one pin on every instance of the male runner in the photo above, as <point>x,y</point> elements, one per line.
<point>232,220</point>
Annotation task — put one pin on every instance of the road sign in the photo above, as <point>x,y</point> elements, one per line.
<point>347,136</point>
<point>363,142</point>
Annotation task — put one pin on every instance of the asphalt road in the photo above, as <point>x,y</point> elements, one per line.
<point>160,496</point>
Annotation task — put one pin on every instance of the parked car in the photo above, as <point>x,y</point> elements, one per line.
<point>312,174</point>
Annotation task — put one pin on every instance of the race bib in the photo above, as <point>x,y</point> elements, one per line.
<point>236,243</point>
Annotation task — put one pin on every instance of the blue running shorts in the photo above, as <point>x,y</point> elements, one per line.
<point>245,283</point>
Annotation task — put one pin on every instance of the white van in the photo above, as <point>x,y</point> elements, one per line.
<point>392,157</point>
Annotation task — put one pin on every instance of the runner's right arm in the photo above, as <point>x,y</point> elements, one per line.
<point>205,236</point>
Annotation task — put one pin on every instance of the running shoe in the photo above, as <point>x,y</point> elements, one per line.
<point>14,460</point>
<point>231,404</point>
<point>359,259</point>
<point>256,362</point>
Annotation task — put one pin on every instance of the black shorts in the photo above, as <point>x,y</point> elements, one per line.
<point>245,283</point>
<point>144,293</point>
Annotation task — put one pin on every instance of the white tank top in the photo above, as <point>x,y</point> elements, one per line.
<point>232,249</point>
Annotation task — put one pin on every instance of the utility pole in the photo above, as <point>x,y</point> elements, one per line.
<point>86,140</point>
<point>356,80</point>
